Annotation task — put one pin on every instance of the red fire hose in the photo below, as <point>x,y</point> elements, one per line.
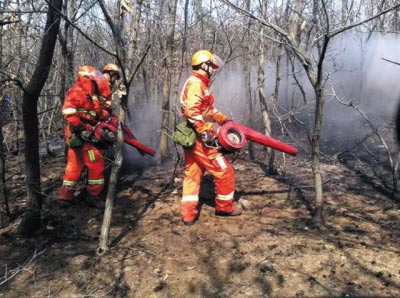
<point>129,137</point>
<point>232,136</point>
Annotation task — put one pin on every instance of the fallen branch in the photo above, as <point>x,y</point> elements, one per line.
<point>8,275</point>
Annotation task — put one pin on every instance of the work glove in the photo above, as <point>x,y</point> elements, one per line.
<point>208,136</point>
<point>108,137</point>
<point>220,118</point>
<point>85,135</point>
<point>103,114</point>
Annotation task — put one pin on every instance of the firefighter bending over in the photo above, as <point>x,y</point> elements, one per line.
<point>87,103</point>
<point>197,106</point>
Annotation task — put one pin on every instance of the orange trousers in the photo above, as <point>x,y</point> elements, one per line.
<point>199,159</point>
<point>91,157</point>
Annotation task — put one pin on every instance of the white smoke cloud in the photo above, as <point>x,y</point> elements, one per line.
<point>357,72</point>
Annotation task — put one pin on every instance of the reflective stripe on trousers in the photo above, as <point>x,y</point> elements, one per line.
<point>91,157</point>
<point>198,160</point>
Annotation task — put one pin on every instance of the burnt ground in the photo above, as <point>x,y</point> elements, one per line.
<point>269,251</point>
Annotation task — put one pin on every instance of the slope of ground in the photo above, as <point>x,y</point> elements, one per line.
<point>269,251</point>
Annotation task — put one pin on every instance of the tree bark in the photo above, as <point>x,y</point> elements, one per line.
<point>167,82</point>
<point>4,210</point>
<point>317,218</point>
<point>249,102</point>
<point>31,220</point>
<point>317,83</point>
<point>124,57</point>
<point>65,38</point>
<point>112,185</point>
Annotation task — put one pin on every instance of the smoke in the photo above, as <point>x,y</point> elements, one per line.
<point>230,93</point>
<point>144,121</point>
<point>356,73</point>
<point>366,80</point>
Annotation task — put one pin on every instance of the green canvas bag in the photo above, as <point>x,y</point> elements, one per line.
<point>184,134</point>
<point>75,141</point>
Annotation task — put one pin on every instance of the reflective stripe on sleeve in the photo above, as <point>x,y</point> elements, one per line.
<point>221,161</point>
<point>69,111</point>
<point>197,117</point>
<point>103,99</point>
<point>91,113</point>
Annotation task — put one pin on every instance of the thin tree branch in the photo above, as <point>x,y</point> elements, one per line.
<point>9,275</point>
<point>304,60</point>
<point>340,30</point>
<point>18,83</point>
<point>140,63</point>
<point>394,62</point>
<point>81,32</point>
<point>3,23</point>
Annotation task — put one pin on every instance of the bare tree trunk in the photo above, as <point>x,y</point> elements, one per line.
<point>249,101</point>
<point>396,21</point>
<point>260,85</point>
<point>317,83</point>
<point>198,12</point>
<point>124,58</point>
<point>5,215</point>
<point>118,156</point>
<point>395,175</point>
<point>15,128</point>
<point>295,26</point>
<point>4,209</point>
<point>274,99</point>
<point>344,12</point>
<point>167,82</point>
<point>265,113</point>
<point>65,38</point>
<point>315,159</point>
<point>31,220</point>
<point>112,185</point>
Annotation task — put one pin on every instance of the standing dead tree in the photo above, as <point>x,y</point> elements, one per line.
<point>312,60</point>
<point>126,61</point>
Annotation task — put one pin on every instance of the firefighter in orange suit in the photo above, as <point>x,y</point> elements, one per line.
<point>112,73</point>
<point>105,83</point>
<point>197,106</point>
<point>82,110</point>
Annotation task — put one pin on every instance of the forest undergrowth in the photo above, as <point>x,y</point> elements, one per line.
<point>269,251</point>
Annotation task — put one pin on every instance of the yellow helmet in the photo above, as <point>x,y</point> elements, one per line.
<point>85,71</point>
<point>112,68</point>
<point>207,57</point>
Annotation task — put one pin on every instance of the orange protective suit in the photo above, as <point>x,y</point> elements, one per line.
<point>197,105</point>
<point>82,112</point>
<point>102,100</point>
